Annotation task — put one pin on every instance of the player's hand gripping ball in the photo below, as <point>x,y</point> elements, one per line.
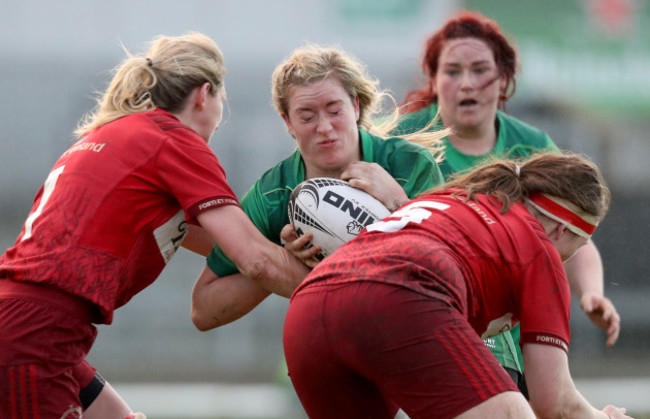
<point>333,211</point>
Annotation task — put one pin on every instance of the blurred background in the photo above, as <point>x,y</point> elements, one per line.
<point>584,80</point>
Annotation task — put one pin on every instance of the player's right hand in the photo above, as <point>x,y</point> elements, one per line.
<point>299,246</point>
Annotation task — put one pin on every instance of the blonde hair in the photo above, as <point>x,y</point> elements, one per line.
<point>162,78</point>
<point>566,175</point>
<point>313,63</point>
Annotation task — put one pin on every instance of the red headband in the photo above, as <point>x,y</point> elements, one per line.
<point>556,208</point>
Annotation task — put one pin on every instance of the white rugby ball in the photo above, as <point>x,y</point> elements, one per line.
<point>333,211</point>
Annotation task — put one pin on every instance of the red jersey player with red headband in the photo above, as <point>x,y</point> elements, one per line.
<point>140,181</point>
<point>399,313</point>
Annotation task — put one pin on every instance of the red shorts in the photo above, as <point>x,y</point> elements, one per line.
<point>350,347</point>
<point>45,336</point>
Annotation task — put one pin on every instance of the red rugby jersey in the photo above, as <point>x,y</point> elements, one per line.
<point>495,268</point>
<point>115,208</point>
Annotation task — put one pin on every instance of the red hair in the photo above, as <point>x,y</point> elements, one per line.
<point>465,24</point>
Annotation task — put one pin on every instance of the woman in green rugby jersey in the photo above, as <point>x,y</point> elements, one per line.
<point>327,101</point>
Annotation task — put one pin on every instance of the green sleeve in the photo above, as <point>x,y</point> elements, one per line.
<point>416,172</point>
<point>551,146</point>
<point>425,175</point>
<point>517,139</point>
<point>547,143</point>
<point>516,336</point>
<point>254,205</point>
<point>219,263</point>
<point>504,349</point>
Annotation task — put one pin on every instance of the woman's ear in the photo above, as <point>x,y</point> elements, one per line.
<point>503,84</point>
<point>558,230</point>
<point>287,122</point>
<point>201,95</point>
<point>432,85</point>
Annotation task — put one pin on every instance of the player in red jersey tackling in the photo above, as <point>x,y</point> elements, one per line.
<point>398,313</point>
<point>470,67</point>
<point>140,182</point>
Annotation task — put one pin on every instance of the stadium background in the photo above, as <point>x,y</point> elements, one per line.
<point>584,80</point>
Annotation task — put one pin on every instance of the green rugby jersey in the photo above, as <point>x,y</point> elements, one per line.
<point>266,202</point>
<point>515,140</point>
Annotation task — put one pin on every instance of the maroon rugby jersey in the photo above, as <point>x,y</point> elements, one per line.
<point>115,208</point>
<point>495,268</point>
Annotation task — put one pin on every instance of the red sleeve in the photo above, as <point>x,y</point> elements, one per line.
<point>546,301</point>
<point>193,174</point>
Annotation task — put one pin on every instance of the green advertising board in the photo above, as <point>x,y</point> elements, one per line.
<point>594,54</point>
<point>590,53</point>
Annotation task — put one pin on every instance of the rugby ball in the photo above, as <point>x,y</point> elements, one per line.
<point>333,211</point>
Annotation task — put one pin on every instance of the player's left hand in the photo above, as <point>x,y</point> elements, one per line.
<point>375,180</point>
<point>616,412</point>
<point>603,314</point>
